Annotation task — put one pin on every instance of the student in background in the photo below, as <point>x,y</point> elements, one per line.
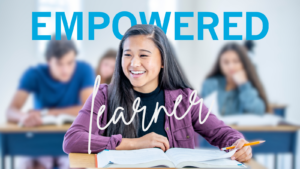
<point>106,66</point>
<point>59,87</point>
<point>146,67</point>
<point>238,87</point>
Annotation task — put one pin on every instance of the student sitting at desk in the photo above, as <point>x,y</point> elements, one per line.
<point>238,87</point>
<point>60,87</point>
<point>146,68</point>
<point>106,66</point>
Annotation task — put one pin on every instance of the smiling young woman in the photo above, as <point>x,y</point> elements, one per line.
<point>146,68</point>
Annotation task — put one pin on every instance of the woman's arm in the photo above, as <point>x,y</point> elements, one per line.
<point>250,100</point>
<point>213,129</point>
<point>76,138</point>
<point>221,135</point>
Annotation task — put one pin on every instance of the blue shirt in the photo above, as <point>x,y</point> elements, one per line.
<point>50,93</point>
<point>243,99</point>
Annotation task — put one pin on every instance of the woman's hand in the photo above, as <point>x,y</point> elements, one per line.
<point>243,154</point>
<point>240,77</point>
<point>152,140</point>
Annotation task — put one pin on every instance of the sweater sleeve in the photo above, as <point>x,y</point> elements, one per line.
<point>215,131</point>
<point>250,100</point>
<point>76,138</point>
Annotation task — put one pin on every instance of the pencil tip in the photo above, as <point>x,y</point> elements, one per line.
<point>263,141</point>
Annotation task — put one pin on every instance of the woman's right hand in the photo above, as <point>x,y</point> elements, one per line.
<point>152,140</point>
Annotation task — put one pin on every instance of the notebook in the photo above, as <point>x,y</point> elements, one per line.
<point>173,158</point>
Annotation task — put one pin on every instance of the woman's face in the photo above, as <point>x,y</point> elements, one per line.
<point>107,67</point>
<point>230,64</point>
<point>141,63</point>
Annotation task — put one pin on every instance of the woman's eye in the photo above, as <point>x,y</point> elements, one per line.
<point>144,55</point>
<point>126,54</point>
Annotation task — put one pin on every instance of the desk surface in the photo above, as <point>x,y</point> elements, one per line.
<point>266,128</point>
<point>10,127</point>
<point>78,160</point>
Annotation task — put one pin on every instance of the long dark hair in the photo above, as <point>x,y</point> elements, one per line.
<point>120,92</point>
<point>248,66</point>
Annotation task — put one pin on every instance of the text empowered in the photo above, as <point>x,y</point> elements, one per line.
<point>154,18</point>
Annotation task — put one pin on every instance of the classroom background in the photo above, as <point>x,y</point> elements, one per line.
<point>275,56</point>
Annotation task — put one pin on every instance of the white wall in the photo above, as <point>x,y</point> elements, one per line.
<point>17,49</point>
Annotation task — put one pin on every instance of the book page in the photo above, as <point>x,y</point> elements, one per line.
<point>223,162</point>
<point>130,156</point>
<point>219,163</point>
<point>178,155</point>
<point>65,118</point>
<point>49,119</point>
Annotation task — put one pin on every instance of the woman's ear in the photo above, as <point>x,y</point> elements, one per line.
<point>162,66</point>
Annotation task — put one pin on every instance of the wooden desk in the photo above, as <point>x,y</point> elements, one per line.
<point>31,141</point>
<point>13,128</point>
<point>287,128</point>
<point>78,160</point>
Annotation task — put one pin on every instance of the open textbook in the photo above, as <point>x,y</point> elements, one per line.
<point>174,157</point>
<point>58,120</point>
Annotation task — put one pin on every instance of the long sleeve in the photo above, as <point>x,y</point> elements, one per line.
<point>250,100</point>
<point>76,138</point>
<point>213,129</point>
<point>209,85</point>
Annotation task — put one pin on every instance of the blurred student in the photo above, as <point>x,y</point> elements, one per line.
<point>238,87</point>
<point>59,87</point>
<point>106,66</point>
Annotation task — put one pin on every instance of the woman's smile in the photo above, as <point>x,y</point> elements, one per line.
<point>137,73</point>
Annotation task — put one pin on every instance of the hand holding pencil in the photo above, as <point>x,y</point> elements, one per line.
<point>244,153</point>
<point>247,144</point>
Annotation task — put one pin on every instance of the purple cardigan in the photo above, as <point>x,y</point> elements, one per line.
<point>180,132</point>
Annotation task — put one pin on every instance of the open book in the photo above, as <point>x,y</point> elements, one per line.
<point>58,120</point>
<point>174,157</point>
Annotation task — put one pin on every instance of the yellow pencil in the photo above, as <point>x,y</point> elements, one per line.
<point>247,144</point>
